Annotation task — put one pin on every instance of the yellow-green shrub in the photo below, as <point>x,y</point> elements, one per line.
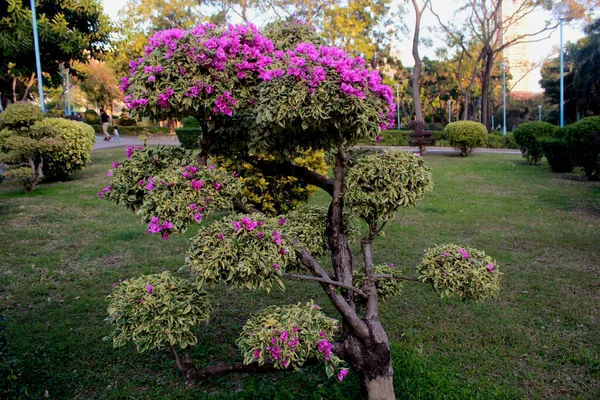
<point>455,271</point>
<point>465,135</point>
<point>155,311</point>
<point>78,139</point>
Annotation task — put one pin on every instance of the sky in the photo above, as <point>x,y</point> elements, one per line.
<point>445,8</point>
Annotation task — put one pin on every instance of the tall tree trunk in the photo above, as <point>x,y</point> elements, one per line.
<point>416,76</point>
<point>488,60</point>
<point>466,101</point>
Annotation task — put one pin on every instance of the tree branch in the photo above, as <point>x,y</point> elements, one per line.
<point>288,169</point>
<point>389,276</point>
<point>325,280</point>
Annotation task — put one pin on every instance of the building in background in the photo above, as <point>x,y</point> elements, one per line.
<point>517,55</point>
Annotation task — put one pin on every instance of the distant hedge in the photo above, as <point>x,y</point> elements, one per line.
<point>135,130</point>
<point>189,138</point>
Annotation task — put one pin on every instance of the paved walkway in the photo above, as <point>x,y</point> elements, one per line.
<point>173,141</point>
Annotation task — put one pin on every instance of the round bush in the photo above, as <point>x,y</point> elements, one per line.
<point>583,139</point>
<point>377,185</point>
<point>557,154</point>
<point>528,137</point>
<point>288,336</point>
<point>464,272</point>
<point>189,138</point>
<point>20,115</point>
<point>78,139</point>
<point>465,135</point>
<point>190,122</point>
<point>126,121</point>
<point>91,117</point>
<point>157,310</point>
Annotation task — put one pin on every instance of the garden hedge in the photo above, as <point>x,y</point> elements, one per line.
<point>556,151</point>
<point>528,137</point>
<point>583,140</point>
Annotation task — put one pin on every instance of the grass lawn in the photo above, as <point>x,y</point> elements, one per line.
<point>63,247</point>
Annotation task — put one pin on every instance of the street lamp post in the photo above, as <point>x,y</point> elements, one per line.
<point>540,112</point>
<point>563,10</point>
<point>36,46</point>
<point>504,66</point>
<point>398,103</point>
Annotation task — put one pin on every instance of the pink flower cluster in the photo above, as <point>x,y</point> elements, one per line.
<point>154,226</point>
<point>196,212</point>
<point>223,104</point>
<point>489,267</point>
<point>150,184</point>
<point>130,150</point>
<point>247,223</point>
<point>281,342</point>
<point>103,192</point>
<point>324,347</point>
<point>463,252</point>
<point>312,65</point>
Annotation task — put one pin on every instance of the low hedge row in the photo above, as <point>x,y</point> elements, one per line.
<point>135,130</point>
<point>394,137</point>
<point>189,137</point>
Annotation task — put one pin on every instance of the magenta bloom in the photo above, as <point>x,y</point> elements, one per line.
<point>322,334</point>
<point>149,288</point>
<point>115,164</point>
<point>282,251</point>
<point>217,186</point>
<point>257,353</point>
<point>276,237</point>
<point>343,372</point>
<point>281,221</point>
<point>391,265</point>
<point>463,253</point>
<point>220,236</point>
<point>196,184</point>
<point>150,185</point>
<point>259,235</point>
<point>165,235</point>
<point>378,138</point>
<point>198,217</point>
<point>185,175</point>
<point>236,226</point>
<point>445,254</point>
<point>490,267</point>
<point>109,173</point>
<point>192,207</point>
<point>275,266</point>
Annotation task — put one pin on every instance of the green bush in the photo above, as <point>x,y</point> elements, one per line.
<point>528,137</point>
<point>155,311</point>
<point>190,122</point>
<point>78,139</point>
<point>583,139</point>
<point>135,130</point>
<point>126,121</point>
<point>462,272</point>
<point>557,153</point>
<point>465,135</point>
<point>393,137</point>
<point>91,117</point>
<point>189,137</point>
<point>21,115</point>
<point>496,140</point>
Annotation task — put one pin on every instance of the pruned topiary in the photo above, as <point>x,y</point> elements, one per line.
<point>528,136</point>
<point>464,272</point>
<point>466,135</point>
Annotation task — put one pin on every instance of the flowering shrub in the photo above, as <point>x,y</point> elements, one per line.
<point>466,135</point>
<point>126,187</point>
<point>244,251</point>
<point>286,34</point>
<point>155,311</point>
<point>528,137</point>
<point>311,90</point>
<point>185,195</point>
<point>201,72</point>
<point>276,195</point>
<point>386,287</point>
<point>460,271</point>
<point>287,336</point>
<point>378,184</point>
<point>78,140</point>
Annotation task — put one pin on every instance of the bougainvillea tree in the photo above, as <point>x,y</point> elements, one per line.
<point>306,97</point>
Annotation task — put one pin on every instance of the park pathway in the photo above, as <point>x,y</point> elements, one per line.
<point>173,141</point>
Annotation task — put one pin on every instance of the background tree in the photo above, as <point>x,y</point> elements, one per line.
<point>68,31</point>
<point>99,83</point>
<point>416,73</point>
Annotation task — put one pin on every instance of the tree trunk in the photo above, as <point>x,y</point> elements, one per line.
<point>488,60</point>
<point>372,360</point>
<point>416,76</point>
<point>466,100</point>
<point>202,157</point>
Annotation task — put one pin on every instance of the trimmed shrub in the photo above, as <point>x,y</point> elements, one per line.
<point>156,311</point>
<point>420,136</point>
<point>528,137</point>
<point>583,139</point>
<point>91,117</point>
<point>190,122</point>
<point>21,115</point>
<point>126,121</point>
<point>78,139</point>
<point>465,135</point>
<point>462,272</point>
<point>557,154</point>
<point>135,130</point>
<point>189,138</point>
<point>496,140</point>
